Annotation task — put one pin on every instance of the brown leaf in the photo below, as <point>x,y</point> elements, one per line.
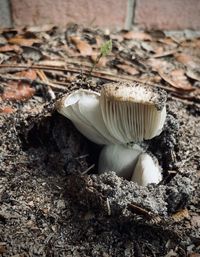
<point>168,41</point>
<point>180,215</point>
<point>84,48</point>
<point>6,110</point>
<point>29,74</point>
<point>157,34</point>
<point>128,69</point>
<point>157,64</point>
<point>10,48</point>
<point>184,58</point>
<point>20,40</point>
<point>137,35</point>
<point>193,74</point>
<point>20,90</point>
<point>177,79</point>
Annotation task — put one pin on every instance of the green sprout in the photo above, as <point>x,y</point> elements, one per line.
<point>105,49</point>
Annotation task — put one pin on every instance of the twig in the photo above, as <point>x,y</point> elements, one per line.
<point>82,156</point>
<point>108,206</point>
<point>100,74</point>
<point>44,78</point>
<point>88,169</point>
<point>143,212</point>
<point>32,82</point>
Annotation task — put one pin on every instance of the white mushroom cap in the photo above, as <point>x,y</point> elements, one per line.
<point>120,159</point>
<point>82,108</point>
<point>133,112</point>
<point>146,171</point>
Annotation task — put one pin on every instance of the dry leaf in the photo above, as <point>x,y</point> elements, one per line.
<point>6,110</point>
<point>147,47</point>
<point>183,58</point>
<point>20,40</point>
<point>193,74</point>
<point>84,48</point>
<point>128,69</point>
<point>180,215</point>
<point>168,41</point>
<point>10,48</point>
<point>157,64</point>
<point>29,74</point>
<point>20,90</point>
<point>137,35</point>
<point>32,53</point>
<point>177,79</point>
<point>157,34</point>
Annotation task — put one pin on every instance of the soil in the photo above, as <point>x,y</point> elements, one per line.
<point>53,202</point>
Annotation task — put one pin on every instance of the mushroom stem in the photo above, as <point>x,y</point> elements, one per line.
<point>130,163</point>
<point>120,159</point>
<point>146,171</point>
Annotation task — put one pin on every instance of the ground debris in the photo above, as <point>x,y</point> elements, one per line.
<point>52,202</point>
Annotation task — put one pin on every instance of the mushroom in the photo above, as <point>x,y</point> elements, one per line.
<point>82,108</point>
<point>119,158</point>
<point>122,113</point>
<point>146,171</point>
<point>133,112</point>
<point>130,163</point>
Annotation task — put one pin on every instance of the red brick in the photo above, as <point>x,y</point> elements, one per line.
<point>103,13</point>
<point>168,14</point>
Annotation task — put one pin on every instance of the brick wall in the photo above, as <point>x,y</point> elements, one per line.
<point>156,14</point>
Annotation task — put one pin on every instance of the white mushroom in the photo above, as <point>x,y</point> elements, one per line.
<point>120,159</point>
<point>122,113</point>
<point>82,108</point>
<point>146,171</point>
<point>133,112</point>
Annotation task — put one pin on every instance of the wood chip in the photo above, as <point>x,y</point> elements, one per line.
<point>180,215</point>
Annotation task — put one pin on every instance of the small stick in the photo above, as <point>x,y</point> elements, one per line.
<point>32,82</point>
<point>101,74</point>
<point>88,169</point>
<point>141,211</point>
<point>108,206</point>
<point>82,156</point>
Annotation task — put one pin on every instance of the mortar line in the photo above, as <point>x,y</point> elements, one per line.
<point>130,13</point>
